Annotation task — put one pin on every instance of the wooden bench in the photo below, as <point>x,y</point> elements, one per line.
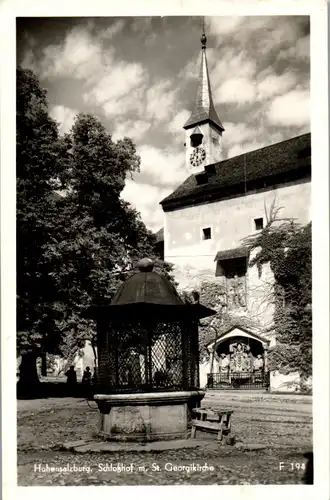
<point>211,420</point>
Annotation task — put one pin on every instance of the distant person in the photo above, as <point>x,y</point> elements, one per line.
<point>71,377</point>
<point>87,376</point>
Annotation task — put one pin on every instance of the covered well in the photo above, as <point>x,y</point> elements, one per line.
<point>148,353</point>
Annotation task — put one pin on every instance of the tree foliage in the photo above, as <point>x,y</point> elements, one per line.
<point>77,238</point>
<point>39,164</point>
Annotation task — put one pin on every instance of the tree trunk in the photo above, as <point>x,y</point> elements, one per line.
<point>29,383</point>
<point>43,365</point>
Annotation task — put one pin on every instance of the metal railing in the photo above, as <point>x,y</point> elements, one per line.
<point>238,380</point>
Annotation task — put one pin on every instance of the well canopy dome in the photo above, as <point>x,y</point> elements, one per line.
<point>147,287</point>
<point>147,292</point>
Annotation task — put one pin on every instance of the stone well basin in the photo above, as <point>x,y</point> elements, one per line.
<point>157,416</point>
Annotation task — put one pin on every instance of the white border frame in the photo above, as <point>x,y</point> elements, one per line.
<point>317,9</point>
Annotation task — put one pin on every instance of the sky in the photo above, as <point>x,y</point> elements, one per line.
<point>139,76</point>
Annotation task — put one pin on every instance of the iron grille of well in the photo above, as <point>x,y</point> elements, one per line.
<point>246,380</point>
<point>149,356</point>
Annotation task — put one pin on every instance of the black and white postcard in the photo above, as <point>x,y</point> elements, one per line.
<point>164,289</point>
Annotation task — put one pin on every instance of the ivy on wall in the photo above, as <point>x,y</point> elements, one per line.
<point>287,248</point>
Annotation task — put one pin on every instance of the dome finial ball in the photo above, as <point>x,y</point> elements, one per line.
<point>145,265</point>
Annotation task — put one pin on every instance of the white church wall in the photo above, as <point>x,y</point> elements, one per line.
<point>230,221</point>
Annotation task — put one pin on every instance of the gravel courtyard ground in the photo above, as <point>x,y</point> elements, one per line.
<point>280,425</point>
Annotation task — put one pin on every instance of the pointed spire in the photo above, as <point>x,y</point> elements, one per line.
<point>204,108</point>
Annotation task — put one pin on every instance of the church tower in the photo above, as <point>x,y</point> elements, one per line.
<point>203,141</point>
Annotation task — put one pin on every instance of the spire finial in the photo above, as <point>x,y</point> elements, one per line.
<point>203,38</point>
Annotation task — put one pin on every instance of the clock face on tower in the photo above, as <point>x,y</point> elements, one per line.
<point>197,156</point>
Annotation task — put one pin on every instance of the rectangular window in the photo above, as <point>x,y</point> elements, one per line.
<point>206,233</point>
<point>258,224</point>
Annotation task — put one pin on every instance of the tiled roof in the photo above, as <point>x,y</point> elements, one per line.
<point>263,168</point>
<point>234,253</point>
<point>223,323</point>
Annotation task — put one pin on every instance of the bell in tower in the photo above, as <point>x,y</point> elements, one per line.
<point>196,137</point>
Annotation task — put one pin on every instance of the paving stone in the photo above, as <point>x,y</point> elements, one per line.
<point>106,446</point>
<point>258,446</point>
<point>70,445</point>
<point>254,446</point>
